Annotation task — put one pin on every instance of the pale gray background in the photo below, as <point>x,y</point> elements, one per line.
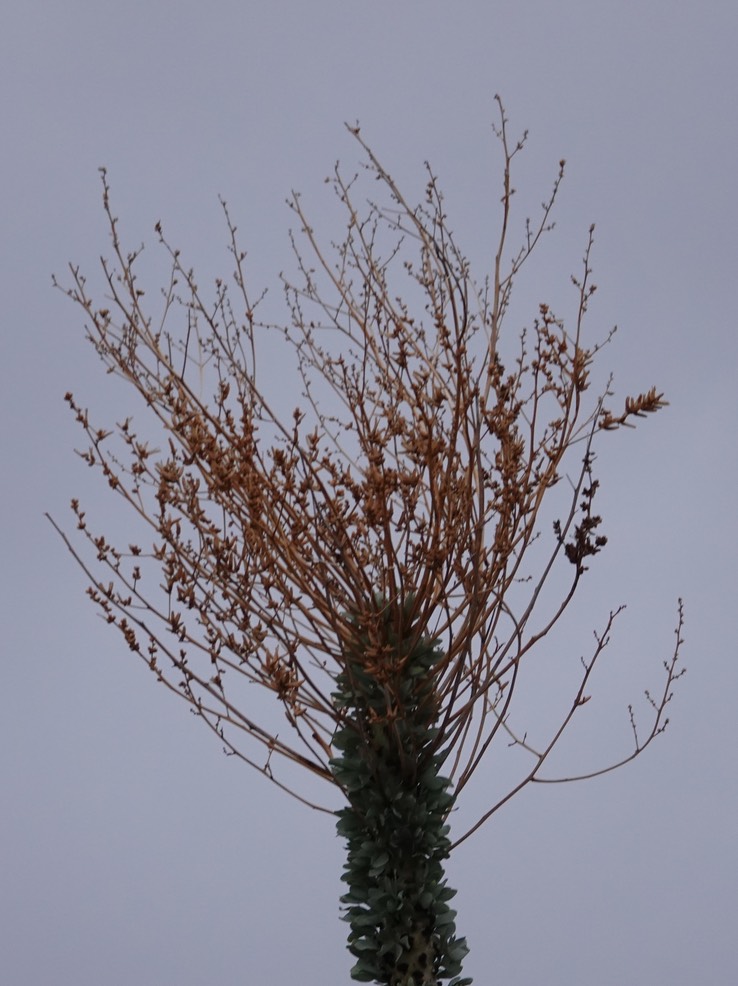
<point>132,853</point>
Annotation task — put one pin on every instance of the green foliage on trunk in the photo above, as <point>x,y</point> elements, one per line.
<point>403,931</point>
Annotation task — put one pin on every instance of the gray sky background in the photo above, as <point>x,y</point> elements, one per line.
<point>131,850</point>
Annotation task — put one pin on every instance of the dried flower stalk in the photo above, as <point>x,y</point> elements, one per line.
<point>405,490</point>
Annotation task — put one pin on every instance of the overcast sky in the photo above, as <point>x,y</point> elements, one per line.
<point>132,852</point>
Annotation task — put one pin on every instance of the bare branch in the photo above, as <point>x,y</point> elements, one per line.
<point>413,483</point>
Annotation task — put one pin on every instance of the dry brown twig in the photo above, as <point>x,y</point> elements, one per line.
<point>414,467</point>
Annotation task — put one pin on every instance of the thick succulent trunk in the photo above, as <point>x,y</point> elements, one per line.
<point>402,928</point>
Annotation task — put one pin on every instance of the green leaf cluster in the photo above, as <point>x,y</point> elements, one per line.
<point>402,928</point>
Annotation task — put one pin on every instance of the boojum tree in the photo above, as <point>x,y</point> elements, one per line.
<point>365,558</point>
